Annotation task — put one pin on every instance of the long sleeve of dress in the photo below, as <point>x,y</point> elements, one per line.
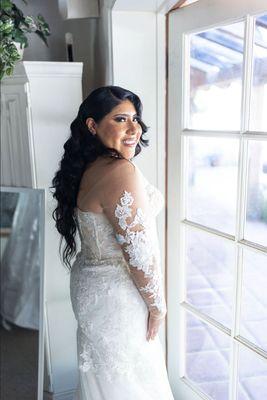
<point>127,207</point>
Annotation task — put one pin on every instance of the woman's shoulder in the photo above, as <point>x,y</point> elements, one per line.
<point>120,172</point>
<point>124,176</point>
<point>118,166</point>
<point>104,177</point>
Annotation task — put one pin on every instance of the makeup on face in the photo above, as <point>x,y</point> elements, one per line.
<point>120,129</point>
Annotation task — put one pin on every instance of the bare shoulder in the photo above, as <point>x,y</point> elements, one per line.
<point>103,179</point>
<point>121,175</point>
<point>118,169</point>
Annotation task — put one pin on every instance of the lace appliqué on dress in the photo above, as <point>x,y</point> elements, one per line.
<point>104,346</point>
<point>107,303</point>
<point>139,246</point>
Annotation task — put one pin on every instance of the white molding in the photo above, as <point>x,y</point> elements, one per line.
<point>160,133</point>
<point>19,76</point>
<point>17,165</point>
<point>106,36</point>
<point>165,6</point>
<point>68,395</point>
<point>42,298</point>
<point>43,69</point>
<point>47,350</point>
<point>109,3</point>
<point>157,6</point>
<point>48,69</point>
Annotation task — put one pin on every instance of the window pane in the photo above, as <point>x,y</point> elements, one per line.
<point>258,120</point>
<point>252,382</point>
<point>212,182</point>
<point>209,275</point>
<point>207,358</point>
<point>254,299</point>
<point>256,221</point>
<point>216,67</point>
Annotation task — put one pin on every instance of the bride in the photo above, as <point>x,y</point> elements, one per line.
<point>115,280</point>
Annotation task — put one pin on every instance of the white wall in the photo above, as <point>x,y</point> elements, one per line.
<point>135,68</point>
<point>139,65</point>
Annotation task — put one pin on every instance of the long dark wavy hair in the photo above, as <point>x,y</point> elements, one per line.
<point>81,149</point>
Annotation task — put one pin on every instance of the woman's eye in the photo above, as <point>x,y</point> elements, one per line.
<point>120,119</point>
<point>123,119</point>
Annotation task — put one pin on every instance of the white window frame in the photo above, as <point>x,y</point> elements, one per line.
<point>196,18</point>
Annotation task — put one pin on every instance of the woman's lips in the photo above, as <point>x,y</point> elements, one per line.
<point>129,144</point>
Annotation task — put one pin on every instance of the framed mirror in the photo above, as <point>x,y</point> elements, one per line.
<point>22,292</point>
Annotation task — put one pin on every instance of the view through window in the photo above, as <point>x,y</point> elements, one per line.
<point>225,211</point>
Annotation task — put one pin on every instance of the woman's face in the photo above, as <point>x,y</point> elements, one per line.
<point>119,129</point>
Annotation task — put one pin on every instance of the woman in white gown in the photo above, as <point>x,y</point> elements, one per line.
<point>115,281</point>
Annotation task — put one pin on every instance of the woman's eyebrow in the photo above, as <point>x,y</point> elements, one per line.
<point>125,115</point>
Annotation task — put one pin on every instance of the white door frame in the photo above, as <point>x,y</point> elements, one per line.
<point>199,16</point>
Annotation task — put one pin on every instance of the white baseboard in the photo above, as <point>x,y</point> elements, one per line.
<point>68,395</point>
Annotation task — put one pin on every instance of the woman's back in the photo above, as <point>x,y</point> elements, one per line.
<point>98,241</point>
<point>99,181</point>
<point>95,178</point>
<point>90,186</point>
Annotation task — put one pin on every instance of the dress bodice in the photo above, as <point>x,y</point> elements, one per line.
<point>98,241</point>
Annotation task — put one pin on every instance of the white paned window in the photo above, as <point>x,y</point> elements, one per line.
<point>217,201</point>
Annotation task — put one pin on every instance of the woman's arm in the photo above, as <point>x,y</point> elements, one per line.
<point>126,205</point>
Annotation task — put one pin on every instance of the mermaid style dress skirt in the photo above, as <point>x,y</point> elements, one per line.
<point>116,362</point>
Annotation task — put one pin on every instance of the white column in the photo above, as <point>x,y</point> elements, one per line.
<point>55,96</point>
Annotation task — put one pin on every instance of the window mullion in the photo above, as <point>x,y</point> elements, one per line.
<point>241,201</point>
<point>236,322</point>
<point>247,73</point>
<point>185,82</point>
<point>233,394</point>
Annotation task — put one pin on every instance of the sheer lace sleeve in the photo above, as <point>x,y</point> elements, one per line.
<point>126,206</point>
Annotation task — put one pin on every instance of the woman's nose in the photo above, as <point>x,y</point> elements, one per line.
<point>132,127</point>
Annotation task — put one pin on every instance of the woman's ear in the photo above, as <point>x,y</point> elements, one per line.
<point>91,125</point>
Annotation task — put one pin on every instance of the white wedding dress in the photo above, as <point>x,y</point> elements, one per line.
<point>111,298</point>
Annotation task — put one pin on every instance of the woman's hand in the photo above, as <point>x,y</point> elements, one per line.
<point>153,326</point>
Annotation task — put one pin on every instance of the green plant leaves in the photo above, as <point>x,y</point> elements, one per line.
<point>8,56</point>
<point>6,5</point>
<point>6,27</point>
<point>14,27</point>
<point>19,37</point>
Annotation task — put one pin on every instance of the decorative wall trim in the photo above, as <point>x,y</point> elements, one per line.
<point>160,6</point>
<point>49,69</point>
<point>68,395</point>
<point>183,3</point>
<point>17,167</point>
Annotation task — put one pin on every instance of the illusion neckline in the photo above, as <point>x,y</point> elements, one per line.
<point>103,214</point>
